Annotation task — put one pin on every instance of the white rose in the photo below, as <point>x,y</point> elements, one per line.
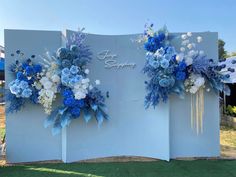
<point>97,82</point>
<point>55,78</point>
<point>190,46</point>
<point>79,95</point>
<point>182,49</point>
<point>200,81</point>
<point>85,80</point>
<point>188,61</point>
<point>189,34</point>
<point>86,71</point>
<point>43,80</point>
<point>199,39</point>
<point>184,36</point>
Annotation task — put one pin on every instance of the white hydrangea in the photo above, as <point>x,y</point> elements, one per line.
<point>80,89</point>
<point>199,39</point>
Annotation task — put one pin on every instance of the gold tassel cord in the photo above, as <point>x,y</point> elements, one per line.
<point>197,111</point>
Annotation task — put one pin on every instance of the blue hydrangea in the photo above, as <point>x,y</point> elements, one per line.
<point>69,101</point>
<point>37,68</point>
<point>23,85</point>
<point>164,63</point>
<point>26,93</point>
<point>20,75</point>
<point>65,72</point>
<point>67,93</point>
<point>75,111</point>
<point>180,75</point>
<point>74,69</point>
<point>29,70</point>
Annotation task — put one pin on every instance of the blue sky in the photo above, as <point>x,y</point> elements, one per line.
<point>121,16</point>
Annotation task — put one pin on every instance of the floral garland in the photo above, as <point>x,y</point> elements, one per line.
<point>186,70</point>
<point>63,74</point>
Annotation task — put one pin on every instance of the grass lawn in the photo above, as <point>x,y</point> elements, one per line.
<point>198,168</point>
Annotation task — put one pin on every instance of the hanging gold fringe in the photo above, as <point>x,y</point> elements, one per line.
<point>197,110</point>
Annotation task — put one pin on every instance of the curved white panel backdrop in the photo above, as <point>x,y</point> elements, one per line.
<point>163,132</point>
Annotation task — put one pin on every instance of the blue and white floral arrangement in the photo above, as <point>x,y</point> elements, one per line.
<point>179,71</point>
<point>65,75</point>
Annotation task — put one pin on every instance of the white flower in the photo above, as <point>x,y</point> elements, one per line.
<point>200,81</point>
<point>190,46</point>
<point>185,42</point>
<point>55,78</point>
<point>43,80</point>
<point>47,85</point>
<point>97,82</point>
<point>193,89</point>
<point>188,61</point>
<point>90,87</point>
<point>50,94</point>
<point>201,53</point>
<point>85,80</point>
<point>182,49</point>
<point>192,53</point>
<point>180,57</point>
<point>80,95</point>
<point>199,39</point>
<point>86,71</point>
<point>208,89</point>
<point>184,36</point>
<point>189,34</point>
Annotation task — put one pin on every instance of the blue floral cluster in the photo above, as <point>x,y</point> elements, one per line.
<point>165,75</point>
<point>169,74</point>
<point>22,89</point>
<point>73,60</point>
<point>70,76</point>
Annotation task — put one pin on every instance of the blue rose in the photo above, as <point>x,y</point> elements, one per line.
<point>69,101</point>
<point>74,69</point>
<point>79,103</point>
<point>65,80</point>
<point>182,65</point>
<point>164,63</point>
<point>37,68</point>
<point>180,75</point>
<point>75,111</point>
<point>165,82</point>
<point>15,89</point>
<point>66,63</point>
<point>26,93</point>
<point>29,70</point>
<point>62,53</point>
<point>23,85</point>
<point>20,75</point>
<point>67,93</point>
<point>65,72</point>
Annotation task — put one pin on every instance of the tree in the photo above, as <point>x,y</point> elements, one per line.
<point>221,49</point>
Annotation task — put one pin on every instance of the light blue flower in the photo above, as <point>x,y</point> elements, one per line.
<point>26,93</point>
<point>154,64</point>
<point>170,50</point>
<point>164,82</point>
<point>74,69</point>
<point>164,63</point>
<point>167,56</point>
<point>23,85</point>
<point>65,80</point>
<point>15,89</point>
<point>65,71</point>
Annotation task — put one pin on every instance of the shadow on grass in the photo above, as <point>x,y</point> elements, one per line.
<point>203,168</point>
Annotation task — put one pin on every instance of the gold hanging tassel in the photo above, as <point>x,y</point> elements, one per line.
<point>197,110</point>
